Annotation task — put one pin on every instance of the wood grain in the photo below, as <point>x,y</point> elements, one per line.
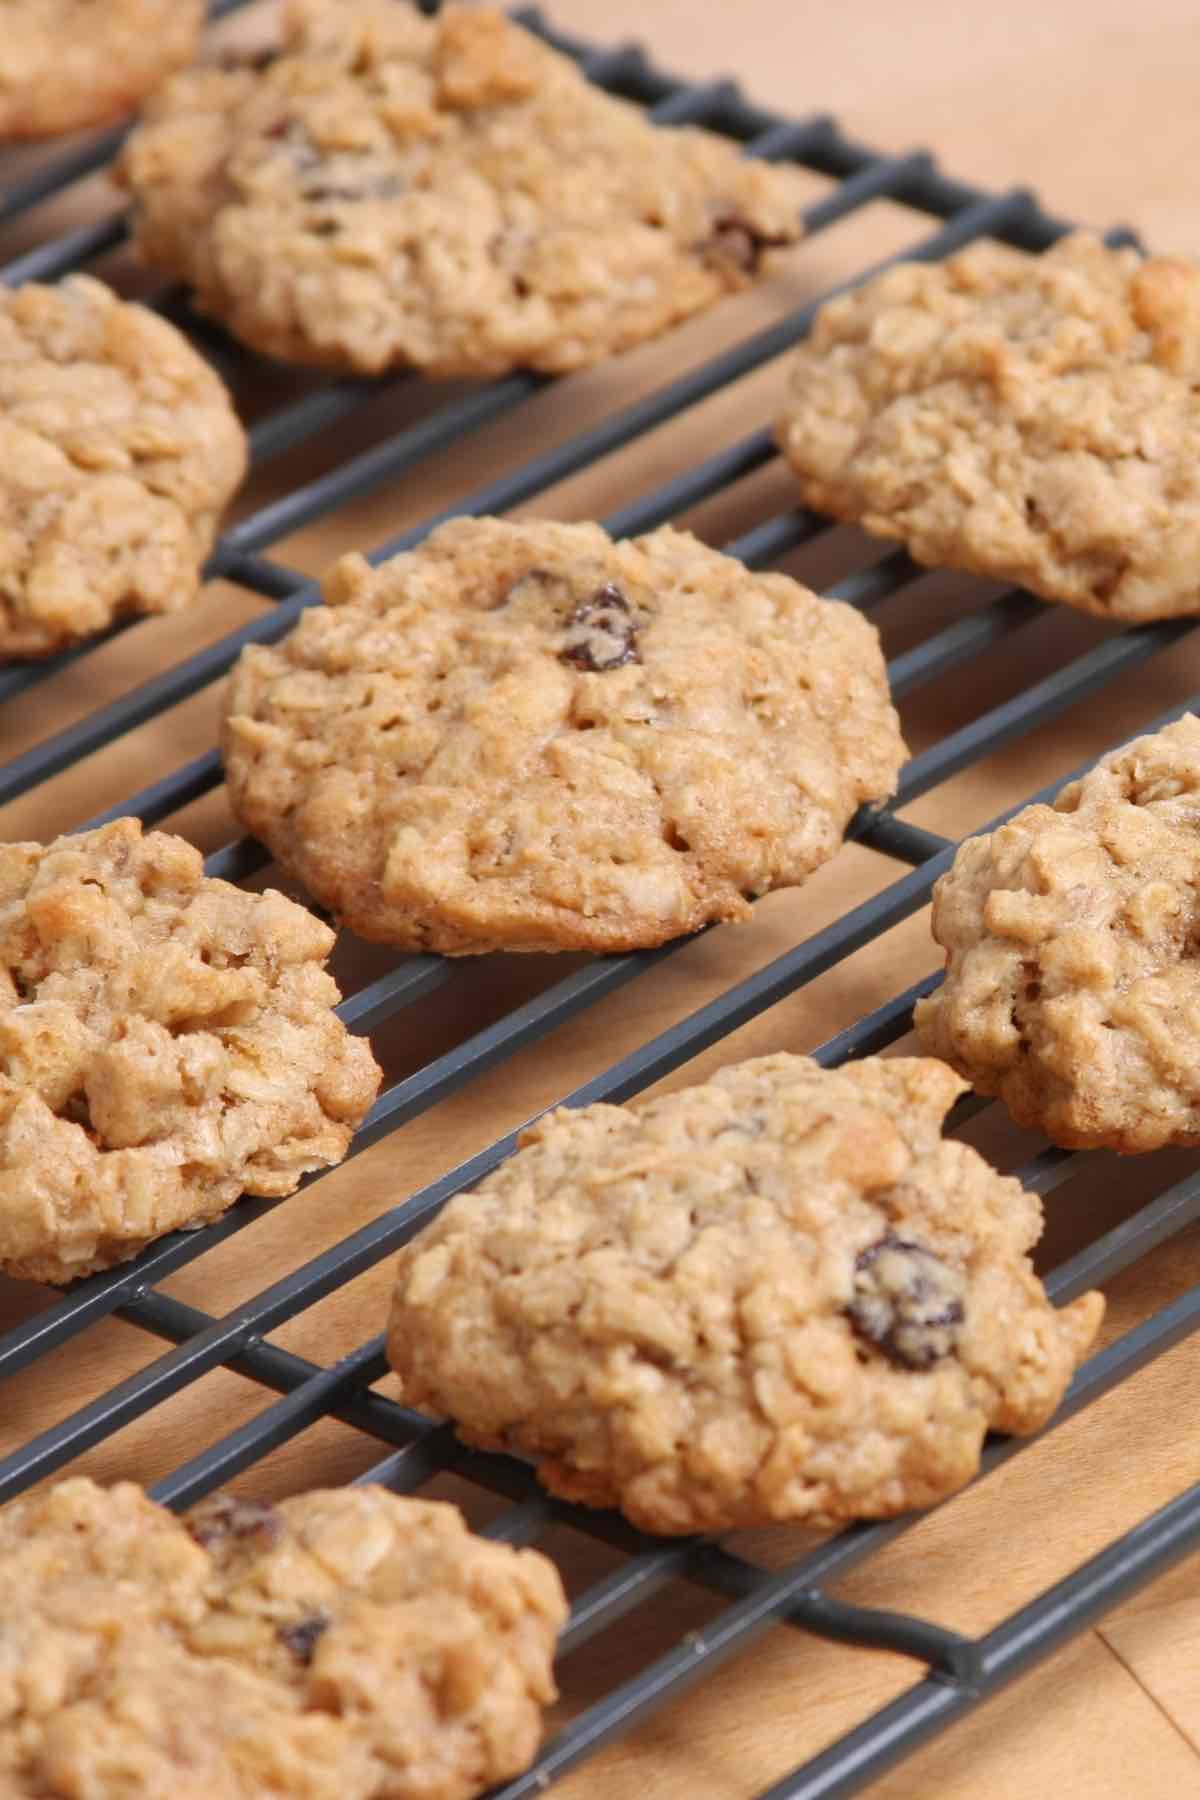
<point>1093,104</point>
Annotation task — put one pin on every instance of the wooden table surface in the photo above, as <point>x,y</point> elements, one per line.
<point>1093,103</point>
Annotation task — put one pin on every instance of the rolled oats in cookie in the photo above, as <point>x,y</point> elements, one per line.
<point>446,193</point>
<point>167,1043</point>
<point>529,737</point>
<point>780,1295</point>
<point>1035,420</point>
<point>119,448</point>
<point>342,1645</point>
<point>70,63</point>
<point>1072,940</point>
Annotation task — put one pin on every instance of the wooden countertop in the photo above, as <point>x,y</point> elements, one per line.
<point>1094,104</point>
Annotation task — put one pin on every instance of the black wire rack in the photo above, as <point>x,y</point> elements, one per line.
<point>959,1671</point>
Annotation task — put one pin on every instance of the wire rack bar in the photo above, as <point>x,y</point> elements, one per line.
<point>1006,1653</point>
<point>1036,704</point>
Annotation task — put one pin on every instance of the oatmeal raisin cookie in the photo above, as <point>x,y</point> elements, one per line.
<point>447,193</point>
<point>1035,420</point>
<point>780,1295</point>
<point>167,1042</point>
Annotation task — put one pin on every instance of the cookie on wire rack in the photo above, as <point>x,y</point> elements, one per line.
<point>1072,939</point>
<point>1032,419</point>
<point>777,1296</point>
<point>528,737</point>
<point>66,64</point>
<point>119,449</point>
<point>346,1644</point>
<point>167,1043</point>
<point>447,193</point>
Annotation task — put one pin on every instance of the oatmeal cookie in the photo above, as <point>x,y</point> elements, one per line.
<point>446,193</point>
<point>167,1042</point>
<point>781,1295</point>
<point>1036,420</point>
<point>342,1645</point>
<point>71,63</point>
<point>528,737</point>
<point>1072,940</point>
<point>118,450</point>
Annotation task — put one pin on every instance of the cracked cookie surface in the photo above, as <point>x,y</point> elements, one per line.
<point>1072,939</point>
<point>526,736</point>
<point>342,1645</point>
<point>447,193</point>
<point>780,1295</point>
<point>71,63</point>
<point>118,451</point>
<point>167,1043</point>
<point>1031,419</point>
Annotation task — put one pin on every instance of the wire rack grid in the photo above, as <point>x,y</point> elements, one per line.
<point>959,1671</point>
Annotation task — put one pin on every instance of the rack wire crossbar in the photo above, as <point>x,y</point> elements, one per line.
<point>961,1671</point>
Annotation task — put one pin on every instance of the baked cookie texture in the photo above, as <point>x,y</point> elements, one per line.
<point>529,737</point>
<point>780,1295</point>
<point>343,1645</point>
<point>71,63</point>
<point>118,451</point>
<point>1072,938</point>
<point>167,1042</point>
<point>1036,420</point>
<point>447,193</point>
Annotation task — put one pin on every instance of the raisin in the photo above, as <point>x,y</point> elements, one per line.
<point>301,151</point>
<point>907,1302</point>
<point>601,633</point>
<point>247,59</point>
<point>301,1638</point>
<point>735,240</point>
<point>378,187</point>
<point>222,1517</point>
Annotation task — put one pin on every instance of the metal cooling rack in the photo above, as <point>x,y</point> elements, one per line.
<point>960,1672</point>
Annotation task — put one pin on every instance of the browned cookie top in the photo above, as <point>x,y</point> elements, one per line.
<point>1072,938</point>
<point>1034,419</point>
<point>118,451</point>
<point>167,1042</point>
<point>343,1645</point>
<point>779,1295</point>
<point>527,736</point>
<point>446,192</point>
<point>69,63</point>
